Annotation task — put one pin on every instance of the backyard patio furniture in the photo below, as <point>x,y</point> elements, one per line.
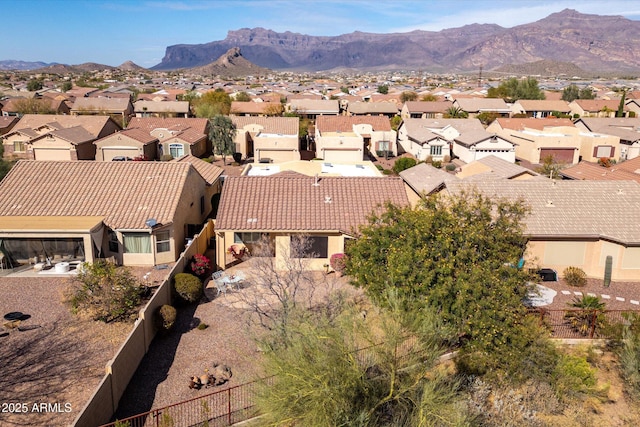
<point>221,287</point>
<point>238,251</point>
<point>234,280</point>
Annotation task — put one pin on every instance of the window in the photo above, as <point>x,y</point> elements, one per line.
<point>247,238</point>
<point>113,242</point>
<point>309,246</point>
<point>18,146</point>
<point>176,150</point>
<point>163,242</point>
<point>383,145</point>
<point>136,243</point>
<point>435,150</point>
<point>603,151</point>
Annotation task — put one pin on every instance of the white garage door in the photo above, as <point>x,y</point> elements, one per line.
<point>51,154</point>
<point>110,153</point>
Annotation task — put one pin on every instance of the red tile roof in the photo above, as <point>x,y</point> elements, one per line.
<point>291,202</point>
<point>346,123</point>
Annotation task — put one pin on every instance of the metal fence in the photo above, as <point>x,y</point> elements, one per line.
<point>220,408</point>
<point>582,324</point>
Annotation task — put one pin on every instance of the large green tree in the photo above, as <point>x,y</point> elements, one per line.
<point>212,103</point>
<point>572,92</point>
<point>221,133</point>
<point>514,89</point>
<point>455,255</point>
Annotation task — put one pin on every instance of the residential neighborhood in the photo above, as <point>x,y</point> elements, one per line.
<point>152,171</point>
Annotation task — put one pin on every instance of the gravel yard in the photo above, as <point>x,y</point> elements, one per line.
<point>51,364</point>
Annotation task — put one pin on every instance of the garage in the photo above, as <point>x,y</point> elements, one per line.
<point>52,153</point>
<point>560,155</point>
<point>277,156</point>
<point>108,153</point>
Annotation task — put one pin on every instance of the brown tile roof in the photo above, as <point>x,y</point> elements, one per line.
<point>632,165</point>
<point>571,209</point>
<point>161,106</point>
<point>544,105</point>
<point>137,134</point>
<point>597,104</point>
<point>75,135</point>
<point>209,172</point>
<point>532,123</point>
<point>474,137</point>
<point>239,107</point>
<point>7,122</point>
<point>272,125</point>
<point>314,106</point>
<point>346,123</point>
<point>592,171</point>
<point>475,105</point>
<point>190,130</point>
<point>425,179</point>
<point>93,124</point>
<point>106,104</point>
<point>427,106</point>
<point>372,107</point>
<point>126,194</point>
<point>290,202</point>
<point>500,168</point>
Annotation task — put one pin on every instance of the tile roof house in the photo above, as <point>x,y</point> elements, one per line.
<point>594,107</point>
<point>424,109</point>
<point>267,139</point>
<point>540,108</point>
<point>19,142</point>
<point>475,106</point>
<point>424,180</point>
<point>594,171</point>
<point>567,144</point>
<point>177,136</point>
<point>328,210</point>
<point>16,106</point>
<point>475,145</point>
<point>312,108</point>
<point>7,123</point>
<point>575,223</point>
<point>127,144</point>
<point>494,167</point>
<point>121,109</point>
<point>388,109</point>
<point>250,108</point>
<point>625,128</point>
<point>354,138</point>
<point>137,212</point>
<point>144,108</point>
<point>417,138</point>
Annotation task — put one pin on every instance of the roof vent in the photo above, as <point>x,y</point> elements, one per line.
<point>252,220</point>
<point>151,222</point>
<point>316,181</point>
<point>620,191</point>
<point>550,204</point>
<point>327,199</point>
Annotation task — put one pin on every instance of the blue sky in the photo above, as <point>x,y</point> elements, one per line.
<point>114,31</point>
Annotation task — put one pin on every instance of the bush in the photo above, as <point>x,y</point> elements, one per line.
<point>446,159</point>
<point>575,276</point>
<point>573,375</point>
<point>188,287</point>
<point>202,326</point>
<point>403,163</point>
<point>436,164</point>
<point>105,292</point>
<point>200,264</point>
<point>338,262</point>
<point>166,317</point>
<point>387,172</point>
<point>379,167</point>
<point>450,167</point>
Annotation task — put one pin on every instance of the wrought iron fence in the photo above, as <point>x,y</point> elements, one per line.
<point>582,324</point>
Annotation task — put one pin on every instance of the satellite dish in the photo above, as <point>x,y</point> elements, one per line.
<point>151,222</point>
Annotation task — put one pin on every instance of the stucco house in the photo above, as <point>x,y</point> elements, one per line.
<point>594,107</point>
<point>13,106</point>
<point>475,106</point>
<point>575,223</point>
<point>139,213</point>
<point>354,138</point>
<point>424,109</point>
<point>58,143</point>
<point>312,108</point>
<point>120,109</point>
<point>127,144</point>
<point>388,109</point>
<point>418,139</point>
<point>625,128</point>
<point>540,108</point>
<point>251,108</point>
<point>281,207</point>
<point>267,139</point>
<point>145,108</point>
<point>475,145</point>
<point>177,136</point>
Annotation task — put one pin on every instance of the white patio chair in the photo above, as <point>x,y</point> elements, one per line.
<point>221,287</point>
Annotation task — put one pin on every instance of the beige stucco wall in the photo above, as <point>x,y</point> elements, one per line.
<point>529,145</point>
<point>589,255</point>
<point>125,143</point>
<point>589,141</point>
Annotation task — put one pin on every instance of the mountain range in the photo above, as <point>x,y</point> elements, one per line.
<point>591,42</point>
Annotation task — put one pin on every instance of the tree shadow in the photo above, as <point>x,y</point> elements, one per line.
<point>154,367</point>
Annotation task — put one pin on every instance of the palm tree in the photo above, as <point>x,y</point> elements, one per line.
<point>588,316</point>
<point>456,113</point>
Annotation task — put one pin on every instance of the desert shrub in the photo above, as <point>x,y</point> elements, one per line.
<point>429,159</point>
<point>629,355</point>
<point>446,158</point>
<point>403,163</point>
<point>387,172</point>
<point>436,164</point>
<point>105,292</point>
<point>202,326</point>
<point>166,317</point>
<point>573,376</point>
<point>450,167</point>
<point>575,276</point>
<point>379,167</point>
<point>188,287</point>
<point>337,262</point>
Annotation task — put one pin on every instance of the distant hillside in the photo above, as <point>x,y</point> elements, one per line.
<point>591,42</point>
<point>130,66</point>
<point>231,64</point>
<point>544,68</point>
<point>81,68</point>
<point>11,64</point>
